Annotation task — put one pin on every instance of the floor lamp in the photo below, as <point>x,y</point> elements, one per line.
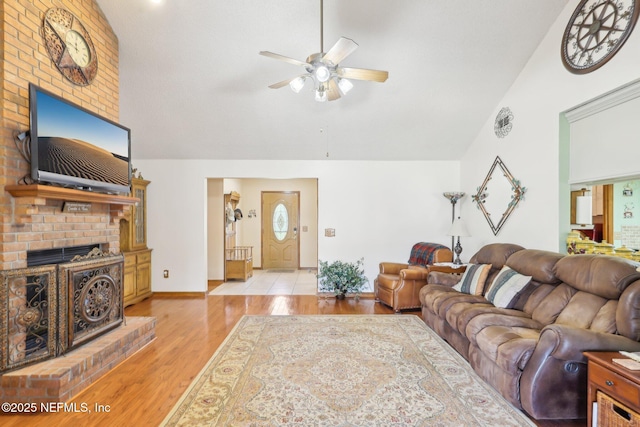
<point>453,197</point>
<point>458,229</point>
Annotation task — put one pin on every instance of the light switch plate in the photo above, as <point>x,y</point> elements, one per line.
<point>330,232</point>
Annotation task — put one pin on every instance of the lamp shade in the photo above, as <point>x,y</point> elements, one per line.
<point>458,228</point>
<point>297,84</point>
<point>583,210</point>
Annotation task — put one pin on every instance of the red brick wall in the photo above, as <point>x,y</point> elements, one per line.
<point>37,224</point>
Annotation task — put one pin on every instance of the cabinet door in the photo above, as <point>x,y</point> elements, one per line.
<point>129,283</point>
<point>139,217</point>
<point>143,278</point>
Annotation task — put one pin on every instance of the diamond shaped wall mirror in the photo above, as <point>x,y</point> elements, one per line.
<point>506,193</point>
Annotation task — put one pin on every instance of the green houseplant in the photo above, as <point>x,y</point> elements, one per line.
<point>342,277</point>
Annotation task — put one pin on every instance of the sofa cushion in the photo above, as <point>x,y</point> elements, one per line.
<point>503,292</point>
<point>605,276</point>
<point>536,263</point>
<point>473,279</point>
<point>552,305</point>
<point>495,254</point>
<point>509,347</point>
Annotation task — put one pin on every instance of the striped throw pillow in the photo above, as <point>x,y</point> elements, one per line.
<point>506,287</point>
<point>473,279</point>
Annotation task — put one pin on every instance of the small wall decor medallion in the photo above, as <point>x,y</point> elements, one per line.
<point>507,192</point>
<point>503,123</point>
<point>595,33</point>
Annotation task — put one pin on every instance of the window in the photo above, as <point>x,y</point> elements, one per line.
<point>280,221</point>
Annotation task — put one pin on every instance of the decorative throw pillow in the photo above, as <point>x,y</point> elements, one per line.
<point>506,287</point>
<point>472,281</point>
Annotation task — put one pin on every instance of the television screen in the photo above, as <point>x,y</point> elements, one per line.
<point>74,147</point>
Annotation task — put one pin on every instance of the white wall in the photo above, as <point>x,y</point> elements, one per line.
<point>378,209</point>
<point>215,229</point>
<point>537,98</point>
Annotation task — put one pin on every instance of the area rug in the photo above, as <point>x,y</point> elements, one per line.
<point>339,370</point>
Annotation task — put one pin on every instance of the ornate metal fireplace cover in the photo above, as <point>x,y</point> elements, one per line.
<point>29,308</point>
<point>92,298</point>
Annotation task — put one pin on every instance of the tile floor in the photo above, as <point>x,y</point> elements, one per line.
<point>265,282</point>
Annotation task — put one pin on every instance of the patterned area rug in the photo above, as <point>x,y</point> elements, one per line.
<point>339,370</point>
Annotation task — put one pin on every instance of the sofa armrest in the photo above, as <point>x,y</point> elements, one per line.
<point>392,267</point>
<point>440,278</point>
<point>414,273</point>
<point>565,342</point>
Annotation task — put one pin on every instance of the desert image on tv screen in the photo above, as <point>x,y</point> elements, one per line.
<point>75,143</point>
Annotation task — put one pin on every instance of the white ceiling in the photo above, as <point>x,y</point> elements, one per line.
<point>194,87</point>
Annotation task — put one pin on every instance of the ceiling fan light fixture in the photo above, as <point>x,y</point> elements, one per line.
<point>322,73</point>
<point>344,85</point>
<point>321,95</point>
<point>297,84</point>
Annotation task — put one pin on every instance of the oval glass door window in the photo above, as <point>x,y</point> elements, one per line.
<point>280,221</point>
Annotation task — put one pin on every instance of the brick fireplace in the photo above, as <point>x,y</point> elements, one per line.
<point>34,220</point>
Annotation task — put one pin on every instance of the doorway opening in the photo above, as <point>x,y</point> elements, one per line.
<point>292,230</point>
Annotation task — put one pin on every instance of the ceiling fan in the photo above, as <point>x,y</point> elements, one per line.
<point>330,80</point>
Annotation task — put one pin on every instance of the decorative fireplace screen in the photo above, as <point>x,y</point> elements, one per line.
<point>28,305</point>
<point>91,295</point>
<point>48,310</point>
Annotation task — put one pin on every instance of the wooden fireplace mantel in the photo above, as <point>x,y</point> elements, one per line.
<point>37,195</point>
<point>68,194</point>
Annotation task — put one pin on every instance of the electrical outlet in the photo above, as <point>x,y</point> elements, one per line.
<point>330,232</point>
<point>165,273</point>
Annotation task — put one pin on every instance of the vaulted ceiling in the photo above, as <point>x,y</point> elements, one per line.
<point>194,87</point>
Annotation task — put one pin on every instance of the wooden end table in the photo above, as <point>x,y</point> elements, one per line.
<point>448,268</point>
<point>617,382</point>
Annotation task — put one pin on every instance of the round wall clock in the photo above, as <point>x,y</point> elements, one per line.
<point>596,31</point>
<point>69,46</point>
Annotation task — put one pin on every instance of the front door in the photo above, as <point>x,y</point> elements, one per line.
<point>280,247</point>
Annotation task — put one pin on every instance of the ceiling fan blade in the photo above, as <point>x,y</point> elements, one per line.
<point>363,74</point>
<point>343,48</point>
<point>332,92</point>
<point>282,83</point>
<point>283,58</point>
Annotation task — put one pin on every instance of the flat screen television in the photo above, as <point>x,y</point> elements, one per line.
<point>73,147</point>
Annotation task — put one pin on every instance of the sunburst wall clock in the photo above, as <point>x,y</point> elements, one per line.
<point>596,32</point>
<point>69,46</point>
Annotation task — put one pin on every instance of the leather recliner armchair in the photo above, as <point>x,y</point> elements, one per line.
<point>398,284</point>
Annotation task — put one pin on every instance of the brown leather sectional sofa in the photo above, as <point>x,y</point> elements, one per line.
<point>533,353</point>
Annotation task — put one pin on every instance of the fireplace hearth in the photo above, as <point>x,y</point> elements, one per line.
<point>50,309</point>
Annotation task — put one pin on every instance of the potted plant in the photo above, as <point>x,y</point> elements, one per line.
<point>342,277</point>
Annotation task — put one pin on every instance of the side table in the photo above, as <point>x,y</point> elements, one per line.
<point>448,267</point>
<point>615,381</point>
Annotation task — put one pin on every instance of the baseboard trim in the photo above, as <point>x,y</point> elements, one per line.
<point>364,295</point>
<point>180,294</point>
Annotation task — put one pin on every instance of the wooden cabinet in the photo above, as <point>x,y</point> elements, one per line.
<point>619,386</point>
<point>133,229</point>
<point>133,245</point>
<point>137,276</point>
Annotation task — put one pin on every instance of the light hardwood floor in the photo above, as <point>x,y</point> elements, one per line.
<point>144,388</point>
